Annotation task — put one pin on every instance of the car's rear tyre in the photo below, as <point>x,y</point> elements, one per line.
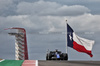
<point>48,57</point>
<point>65,56</point>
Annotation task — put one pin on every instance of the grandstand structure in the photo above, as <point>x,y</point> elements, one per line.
<point>21,50</point>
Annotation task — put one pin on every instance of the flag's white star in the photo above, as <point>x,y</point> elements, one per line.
<point>70,37</point>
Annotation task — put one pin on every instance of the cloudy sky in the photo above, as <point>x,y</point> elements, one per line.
<point>44,21</point>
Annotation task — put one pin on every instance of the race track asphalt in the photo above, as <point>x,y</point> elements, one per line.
<point>68,63</point>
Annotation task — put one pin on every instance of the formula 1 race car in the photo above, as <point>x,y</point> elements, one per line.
<point>56,55</point>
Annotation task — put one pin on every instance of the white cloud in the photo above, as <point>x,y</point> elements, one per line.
<point>86,22</point>
<point>13,21</point>
<point>50,8</point>
<point>39,16</point>
<point>5,3</point>
<point>7,7</point>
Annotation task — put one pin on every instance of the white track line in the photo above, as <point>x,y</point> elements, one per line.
<point>2,60</point>
<point>36,62</point>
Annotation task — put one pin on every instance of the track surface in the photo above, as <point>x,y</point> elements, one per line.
<point>68,63</point>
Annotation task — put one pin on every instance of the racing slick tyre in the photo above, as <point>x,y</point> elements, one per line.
<point>48,57</point>
<point>65,56</point>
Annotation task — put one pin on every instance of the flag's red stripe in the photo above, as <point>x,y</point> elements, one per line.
<point>81,48</point>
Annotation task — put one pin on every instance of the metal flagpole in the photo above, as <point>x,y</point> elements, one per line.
<point>66,42</point>
<point>66,37</point>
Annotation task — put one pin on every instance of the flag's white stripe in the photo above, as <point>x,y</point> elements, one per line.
<point>75,38</point>
<point>84,42</point>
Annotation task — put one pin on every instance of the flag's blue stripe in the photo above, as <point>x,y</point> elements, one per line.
<point>69,36</point>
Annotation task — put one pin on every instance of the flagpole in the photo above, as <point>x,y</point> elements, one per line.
<point>66,37</point>
<point>66,42</point>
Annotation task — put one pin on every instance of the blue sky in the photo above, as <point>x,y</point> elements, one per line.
<point>41,18</point>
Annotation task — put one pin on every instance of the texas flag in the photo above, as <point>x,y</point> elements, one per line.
<point>78,43</point>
